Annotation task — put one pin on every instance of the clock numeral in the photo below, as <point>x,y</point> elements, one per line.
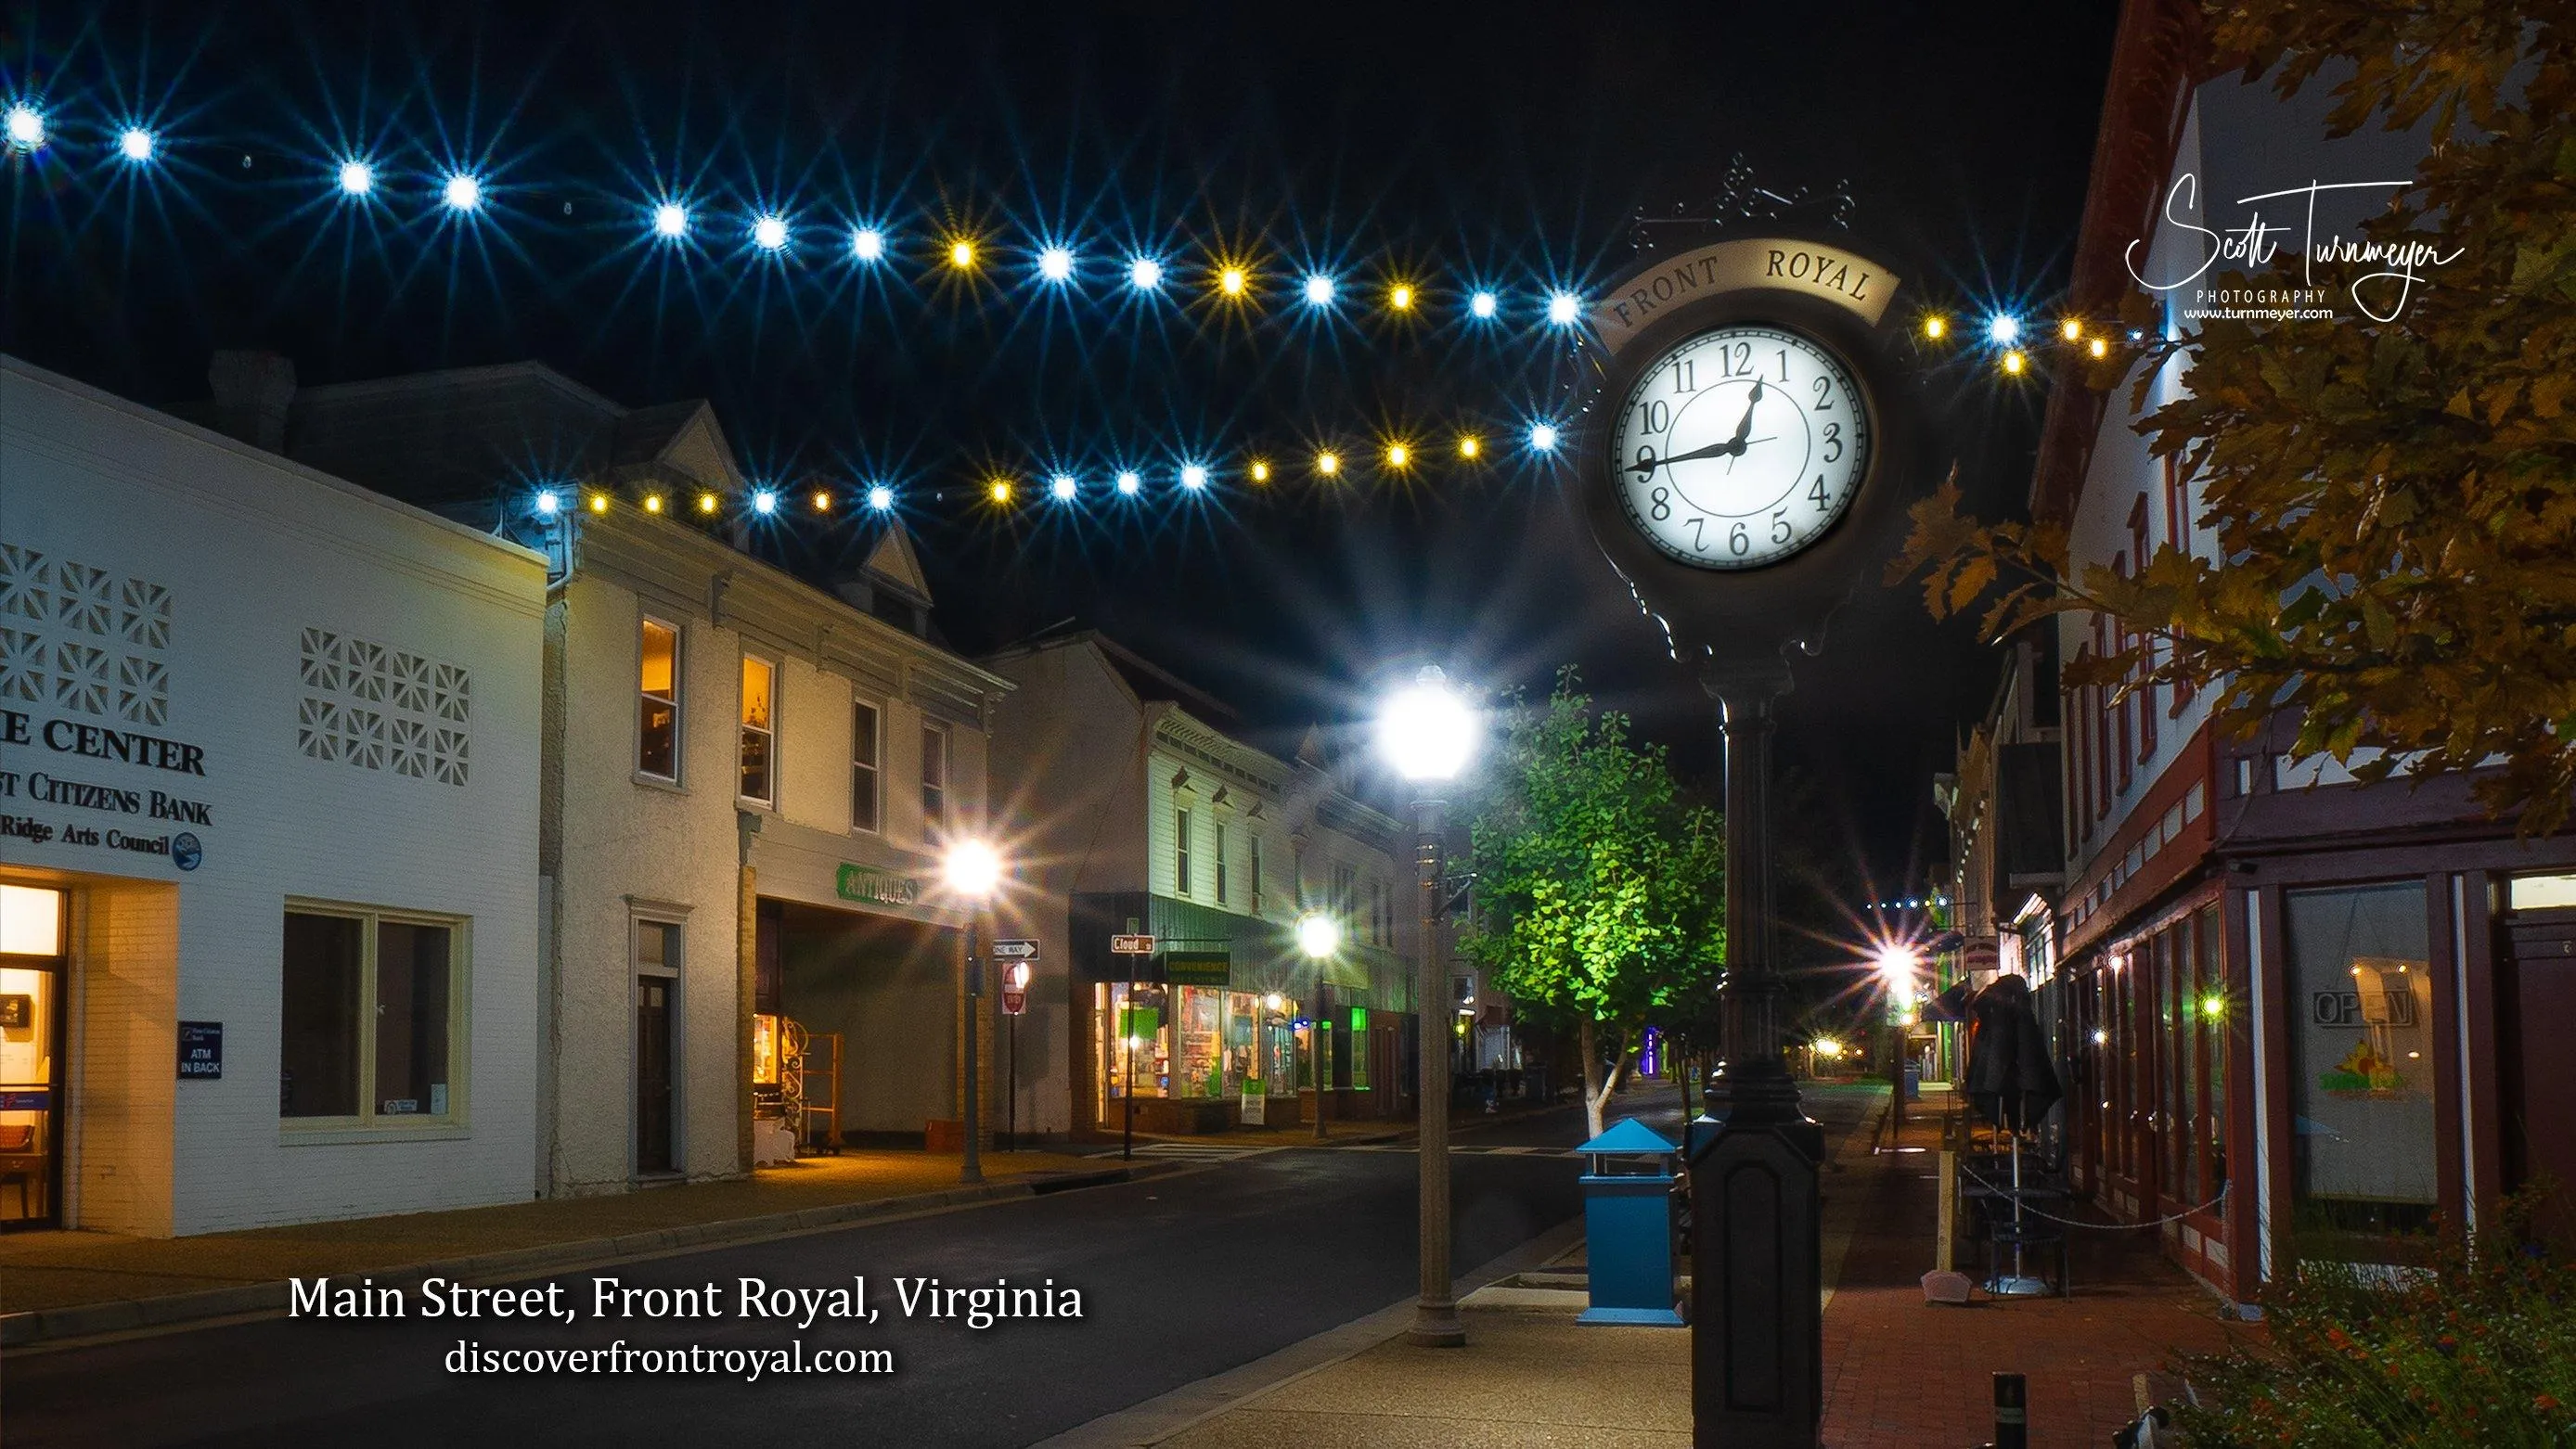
<point>1738,540</point>
<point>1645,460</point>
<point>1784,364</point>
<point>1686,376</point>
<point>1699,544</point>
<point>1660,504</point>
<point>1780,530</point>
<point>1735,359</point>
<point>1658,416</point>
<point>1824,394</point>
<point>1816,495</point>
<point>1833,442</point>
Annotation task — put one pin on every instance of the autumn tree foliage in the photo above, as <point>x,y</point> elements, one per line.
<point>2393,504</point>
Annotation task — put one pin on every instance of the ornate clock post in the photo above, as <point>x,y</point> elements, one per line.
<point>1745,462</point>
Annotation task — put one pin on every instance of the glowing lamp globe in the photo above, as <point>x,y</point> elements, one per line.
<point>1427,731</point>
<point>1318,935</point>
<point>973,868</point>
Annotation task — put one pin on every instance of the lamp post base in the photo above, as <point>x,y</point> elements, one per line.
<point>1436,1325</point>
<point>1757,1318</point>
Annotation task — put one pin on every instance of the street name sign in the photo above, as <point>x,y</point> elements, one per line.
<point>1131,945</point>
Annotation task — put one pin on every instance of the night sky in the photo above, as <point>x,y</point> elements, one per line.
<point>1448,146</point>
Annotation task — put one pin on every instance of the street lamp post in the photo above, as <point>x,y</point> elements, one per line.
<point>1428,732</point>
<point>1319,936</point>
<point>974,870</point>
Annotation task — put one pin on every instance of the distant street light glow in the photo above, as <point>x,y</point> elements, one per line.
<point>1318,935</point>
<point>999,490</point>
<point>973,868</point>
<point>549,503</point>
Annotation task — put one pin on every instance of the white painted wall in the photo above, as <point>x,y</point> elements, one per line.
<point>253,551</point>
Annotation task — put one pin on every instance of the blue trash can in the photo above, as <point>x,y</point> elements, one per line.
<point>1628,1226</point>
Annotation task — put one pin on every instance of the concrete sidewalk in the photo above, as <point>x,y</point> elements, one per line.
<point>69,1284</point>
<point>1899,1374</point>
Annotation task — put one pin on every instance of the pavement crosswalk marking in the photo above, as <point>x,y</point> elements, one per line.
<point>1470,1149</point>
<point>1191,1151</point>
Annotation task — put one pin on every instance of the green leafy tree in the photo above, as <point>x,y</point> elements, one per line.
<point>2395,525</point>
<point>1600,888</point>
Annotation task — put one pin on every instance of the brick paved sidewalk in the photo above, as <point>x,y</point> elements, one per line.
<point>1901,1374</point>
<point>64,1269</point>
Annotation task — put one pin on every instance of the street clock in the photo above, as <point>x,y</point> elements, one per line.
<point>1740,459</point>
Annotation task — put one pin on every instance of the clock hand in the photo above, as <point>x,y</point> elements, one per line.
<point>1736,448</point>
<point>1730,450</point>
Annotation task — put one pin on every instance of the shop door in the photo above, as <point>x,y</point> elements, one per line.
<point>2539,1097</point>
<point>653,1074</point>
<point>31,1089</point>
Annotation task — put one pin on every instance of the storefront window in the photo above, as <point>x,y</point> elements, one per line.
<point>367,1000</point>
<point>1136,1046</point>
<point>2362,1062</point>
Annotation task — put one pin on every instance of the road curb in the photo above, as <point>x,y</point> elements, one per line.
<point>89,1320</point>
<point>1192,1404</point>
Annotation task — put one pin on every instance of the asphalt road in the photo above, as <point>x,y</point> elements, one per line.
<point>1181,1277</point>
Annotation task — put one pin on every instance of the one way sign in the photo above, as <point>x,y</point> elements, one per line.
<point>1015,950</point>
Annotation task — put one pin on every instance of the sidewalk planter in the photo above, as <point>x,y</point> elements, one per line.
<point>1628,1226</point>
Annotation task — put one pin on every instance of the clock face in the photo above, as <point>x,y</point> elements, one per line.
<point>1740,447</point>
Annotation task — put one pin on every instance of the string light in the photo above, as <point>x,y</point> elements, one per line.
<point>707,503</point>
<point>1543,437</point>
<point>357,178</point>
<point>1400,297</point>
<point>1194,477</point>
<point>652,502</point>
<point>769,232</point>
<point>1319,290</point>
<point>549,503</point>
<point>1328,464</point>
<point>868,245</point>
<point>1055,264</point>
<point>2014,362</point>
<point>135,144</point>
<point>599,503</point>
<point>2100,347</point>
<point>1129,484</point>
<point>2070,329</point>
<point>822,500</point>
<point>25,125</point>
<point>1936,326</point>
<point>1233,281</point>
<point>1469,447</point>
<point>2004,330</point>
<point>1260,470</point>
<point>999,490</point>
<point>1144,274</point>
<point>462,191</point>
<point>671,220</point>
<point>1063,487</point>
<point>1398,455</point>
<point>1484,305</point>
<point>881,498</point>
<point>1563,308</point>
<point>961,254</point>
<point>764,502</point>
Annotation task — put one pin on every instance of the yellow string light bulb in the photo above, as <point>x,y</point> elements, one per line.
<point>1400,297</point>
<point>999,490</point>
<point>2101,347</point>
<point>1232,281</point>
<point>2014,362</point>
<point>961,254</point>
<point>1260,471</point>
<point>1936,327</point>
<point>822,501</point>
<point>706,503</point>
<point>1328,463</point>
<point>1397,455</point>
<point>652,502</point>
<point>2070,329</point>
<point>599,503</point>
<point>1468,447</point>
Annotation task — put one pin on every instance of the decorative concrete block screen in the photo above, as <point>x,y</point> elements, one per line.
<point>82,639</point>
<point>379,708</point>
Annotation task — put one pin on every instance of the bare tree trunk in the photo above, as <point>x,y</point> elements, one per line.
<point>1597,1089</point>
